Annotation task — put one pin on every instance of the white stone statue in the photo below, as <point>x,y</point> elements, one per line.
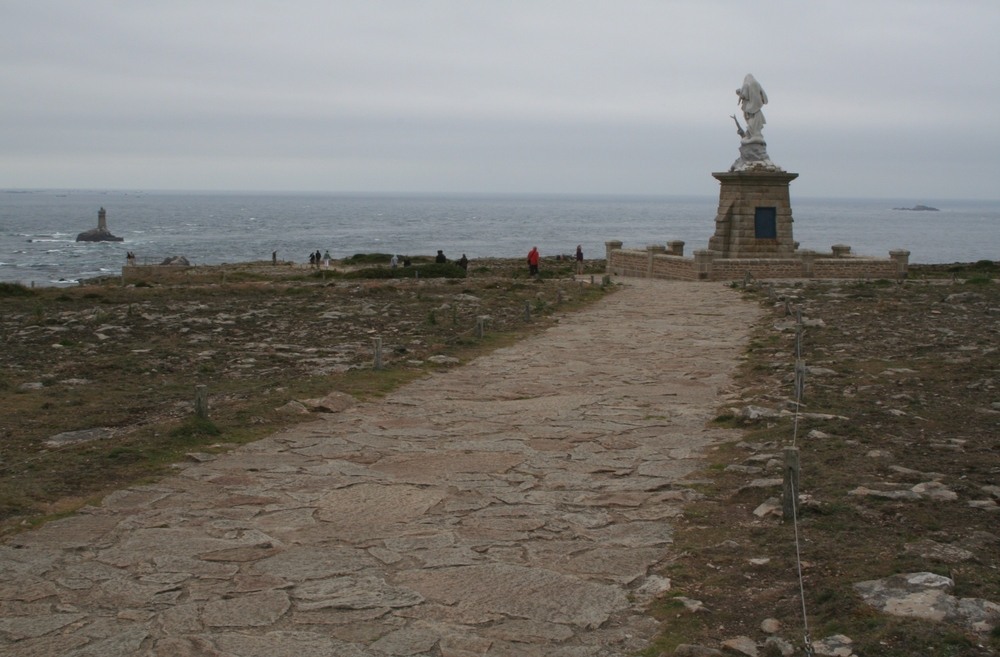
<point>753,148</point>
<point>752,98</point>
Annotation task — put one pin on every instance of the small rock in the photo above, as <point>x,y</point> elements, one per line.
<point>775,646</point>
<point>694,606</point>
<point>928,549</point>
<point>293,407</point>
<point>741,645</point>
<point>443,360</point>
<point>770,626</point>
<point>988,505</point>
<point>200,457</point>
<point>82,436</point>
<point>878,454</point>
<point>837,645</point>
<point>992,490</point>
<point>936,491</point>
<point>335,402</point>
<point>821,371</point>
<point>653,587</point>
<point>816,434</point>
<point>763,561</point>
<point>906,495</point>
<point>729,545</point>
<point>694,650</point>
<point>757,413</point>
<point>764,483</point>
<point>745,469</point>
<point>34,385</point>
<point>770,507</point>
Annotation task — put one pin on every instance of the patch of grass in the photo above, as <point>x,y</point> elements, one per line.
<point>15,290</point>
<point>195,427</point>
<point>368,259</point>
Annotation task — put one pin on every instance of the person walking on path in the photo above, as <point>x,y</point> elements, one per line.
<point>533,261</point>
<point>464,262</point>
<point>326,259</point>
<point>579,259</point>
<point>394,261</point>
<point>312,259</point>
<point>440,259</point>
<point>274,257</point>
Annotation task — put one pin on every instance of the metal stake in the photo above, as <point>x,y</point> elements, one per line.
<point>377,343</point>
<point>790,490</point>
<point>201,401</point>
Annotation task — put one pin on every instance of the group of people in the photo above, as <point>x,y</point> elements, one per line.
<point>440,259</point>
<point>129,258</point>
<point>534,257</point>
<point>316,259</point>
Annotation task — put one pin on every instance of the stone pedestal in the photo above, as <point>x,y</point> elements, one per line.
<point>755,215</point>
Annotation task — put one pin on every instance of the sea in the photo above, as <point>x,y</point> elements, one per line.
<point>38,228</point>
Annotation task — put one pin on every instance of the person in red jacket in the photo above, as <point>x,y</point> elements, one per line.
<point>533,261</point>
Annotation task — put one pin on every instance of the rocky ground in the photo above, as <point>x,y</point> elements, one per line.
<point>900,465</point>
<point>97,382</point>
<point>643,514</point>
<point>513,506</point>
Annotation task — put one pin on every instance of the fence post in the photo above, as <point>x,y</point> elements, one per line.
<point>788,307</point>
<point>201,401</point>
<point>800,379</point>
<point>790,490</point>
<point>479,327</point>
<point>798,341</point>
<point>527,310</point>
<point>377,344</point>
<point>581,287</point>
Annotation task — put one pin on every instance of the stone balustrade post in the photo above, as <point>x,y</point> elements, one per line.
<point>808,257</point>
<point>902,258</point>
<point>703,263</point>
<point>840,250</point>
<point>675,247</point>
<point>651,250</point>
<point>612,245</point>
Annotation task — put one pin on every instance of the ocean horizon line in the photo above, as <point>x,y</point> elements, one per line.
<point>592,196</point>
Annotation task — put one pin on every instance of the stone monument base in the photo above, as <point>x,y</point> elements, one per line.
<point>755,215</point>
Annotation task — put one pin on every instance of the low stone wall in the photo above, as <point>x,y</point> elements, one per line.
<point>656,262</point>
<point>729,269</point>
<point>627,262</point>
<point>674,268</point>
<point>855,268</point>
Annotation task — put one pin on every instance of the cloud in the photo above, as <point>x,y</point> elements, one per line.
<point>615,97</point>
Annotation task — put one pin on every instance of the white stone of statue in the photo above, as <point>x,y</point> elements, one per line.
<point>752,98</point>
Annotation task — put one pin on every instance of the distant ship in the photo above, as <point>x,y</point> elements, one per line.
<point>101,233</point>
<point>919,208</point>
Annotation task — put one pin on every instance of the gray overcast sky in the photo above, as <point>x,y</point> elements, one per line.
<point>867,98</point>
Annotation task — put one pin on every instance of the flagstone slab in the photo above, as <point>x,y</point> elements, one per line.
<point>285,644</point>
<point>300,563</point>
<point>253,610</point>
<point>531,593</point>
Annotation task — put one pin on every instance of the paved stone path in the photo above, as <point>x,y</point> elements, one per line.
<point>514,506</point>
